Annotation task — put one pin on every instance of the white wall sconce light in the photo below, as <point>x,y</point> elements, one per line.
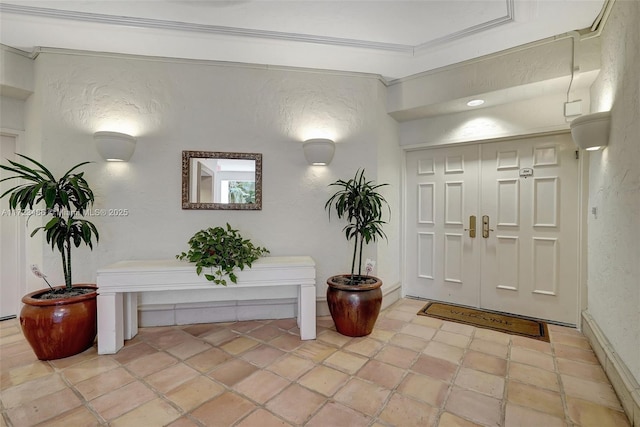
<point>115,146</point>
<point>591,131</point>
<point>319,151</point>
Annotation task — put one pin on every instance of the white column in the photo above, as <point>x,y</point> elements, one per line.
<point>110,323</point>
<point>307,312</point>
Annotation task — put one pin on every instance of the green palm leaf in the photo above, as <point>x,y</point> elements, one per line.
<point>63,198</point>
<point>358,201</point>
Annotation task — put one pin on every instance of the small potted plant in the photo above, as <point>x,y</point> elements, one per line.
<point>355,299</point>
<point>58,321</point>
<point>223,250</point>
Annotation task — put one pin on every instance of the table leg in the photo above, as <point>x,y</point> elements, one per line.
<point>130,300</point>
<point>307,312</point>
<point>110,323</point>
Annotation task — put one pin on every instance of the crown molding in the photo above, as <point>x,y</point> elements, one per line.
<point>206,62</point>
<point>411,50</point>
<point>160,24</point>
<point>5,48</point>
<point>474,29</point>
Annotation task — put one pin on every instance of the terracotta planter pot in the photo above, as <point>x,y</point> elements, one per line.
<point>62,327</point>
<point>354,308</point>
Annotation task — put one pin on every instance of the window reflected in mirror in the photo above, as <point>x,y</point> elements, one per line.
<point>221,180</point>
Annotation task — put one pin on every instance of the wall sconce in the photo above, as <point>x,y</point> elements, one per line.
<point>115,146</point>
<point>591,131</point>
<point>319,151</point>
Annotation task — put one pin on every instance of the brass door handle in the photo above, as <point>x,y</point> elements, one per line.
<point>485,226</point>
<point>472,227</point>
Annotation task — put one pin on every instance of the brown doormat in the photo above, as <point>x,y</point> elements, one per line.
<point>508,324</point>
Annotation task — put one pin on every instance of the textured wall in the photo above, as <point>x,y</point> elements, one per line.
<point>476,77</point>
<point>614,189</point>
<point>542,114</point>
<point>525,90</point>
<point>175,106</point>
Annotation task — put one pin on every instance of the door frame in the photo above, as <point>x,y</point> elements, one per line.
<point>21,232</point>
<point>583,200</point>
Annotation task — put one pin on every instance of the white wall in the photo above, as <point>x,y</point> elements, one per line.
<point>614,189</point>
<point>389,256</point>
<point>527,117</point>
<point>525,90</point>
<point>11,113</point>
<point>16,84</point>
<point>16,73</point>
<point>175,106</point>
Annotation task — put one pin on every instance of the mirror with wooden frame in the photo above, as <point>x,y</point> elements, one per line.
<point>221,180</point>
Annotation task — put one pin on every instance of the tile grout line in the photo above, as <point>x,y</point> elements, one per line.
<point>230,389</point>
<point>563,396</point>
<point>296,381</point>
<point>144,382</point>
<point>376,417</point>
<point>384,341</point>
<point>507,377</point>
<point>84,402</point>
<point>442,409</point>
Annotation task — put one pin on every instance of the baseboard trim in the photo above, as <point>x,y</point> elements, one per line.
<point>150,315</point>
<point>624,384</point>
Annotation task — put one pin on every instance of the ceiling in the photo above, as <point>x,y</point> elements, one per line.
<point>390,38</point>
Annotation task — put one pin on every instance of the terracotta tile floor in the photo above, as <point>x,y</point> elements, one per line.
<point>411,371</point>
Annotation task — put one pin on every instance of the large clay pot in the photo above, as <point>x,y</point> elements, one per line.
<point>62,327</point>
<point>354,308</point>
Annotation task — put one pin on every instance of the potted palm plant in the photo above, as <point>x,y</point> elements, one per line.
<point>57,321</point>
<point>355,299</point>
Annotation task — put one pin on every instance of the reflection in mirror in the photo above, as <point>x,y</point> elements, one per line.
<point>215,180</point>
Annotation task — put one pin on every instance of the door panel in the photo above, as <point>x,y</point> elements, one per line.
<point>441,189</point>
<point>527,191</point>
<point>530,262</point>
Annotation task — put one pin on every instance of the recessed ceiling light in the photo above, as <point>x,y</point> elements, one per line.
<point>475,102</point>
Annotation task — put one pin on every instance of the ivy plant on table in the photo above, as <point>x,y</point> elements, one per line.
<point>223,250</point>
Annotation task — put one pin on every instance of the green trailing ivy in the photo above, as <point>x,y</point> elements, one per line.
<point>223,250</point>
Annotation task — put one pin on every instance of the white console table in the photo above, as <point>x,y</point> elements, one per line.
<point>119,283</point>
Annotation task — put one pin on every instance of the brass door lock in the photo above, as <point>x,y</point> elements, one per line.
<point>485,226</point>
<point>472,227</point>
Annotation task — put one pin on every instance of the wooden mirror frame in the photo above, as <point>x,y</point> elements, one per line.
<point>186,174</point>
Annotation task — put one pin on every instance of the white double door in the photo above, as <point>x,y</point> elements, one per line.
<point>521,256</point>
